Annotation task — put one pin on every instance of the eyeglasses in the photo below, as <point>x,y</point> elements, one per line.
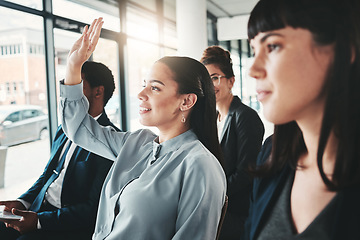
<point>216,79</point>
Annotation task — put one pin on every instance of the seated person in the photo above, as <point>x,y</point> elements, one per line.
<point>62,204</point>
<point>160,187</point>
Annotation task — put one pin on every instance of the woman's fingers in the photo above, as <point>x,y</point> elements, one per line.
<point>96,34</point>
<point>92,25</point>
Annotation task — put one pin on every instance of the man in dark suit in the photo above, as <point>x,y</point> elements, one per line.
<point>62,203</point>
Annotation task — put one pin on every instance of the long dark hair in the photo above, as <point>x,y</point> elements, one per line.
<point>330,22</point>
<point>192,77</point>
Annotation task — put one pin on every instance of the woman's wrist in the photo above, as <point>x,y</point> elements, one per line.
<point>73,75</point>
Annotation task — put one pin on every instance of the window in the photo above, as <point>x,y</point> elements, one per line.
<point>87,11</point>
<point>13,117</point>
<point>30,114</point>
<point>36,4</point>
<point>20,73</point>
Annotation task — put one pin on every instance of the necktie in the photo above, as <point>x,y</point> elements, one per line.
<point>40,197</point>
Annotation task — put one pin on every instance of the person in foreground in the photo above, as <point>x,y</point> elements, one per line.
<point>240,133</point>
<point>170,186</point>
<point>62,204</point>
<point>307,71</point>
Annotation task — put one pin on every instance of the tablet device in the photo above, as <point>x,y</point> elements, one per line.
<point>5,215</point>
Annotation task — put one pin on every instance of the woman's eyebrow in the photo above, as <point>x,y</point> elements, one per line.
<point>156,81</point>
<point>263,39</point>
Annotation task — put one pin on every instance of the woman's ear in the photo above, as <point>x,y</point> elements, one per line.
<point>231,82</point>
<point>188,102</point>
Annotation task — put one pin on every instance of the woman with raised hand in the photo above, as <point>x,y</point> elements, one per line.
<point>169,186</point>
<point>240,132</point>
<point>307,71</point>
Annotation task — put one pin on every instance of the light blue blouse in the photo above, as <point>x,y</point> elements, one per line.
<point>172,190</point>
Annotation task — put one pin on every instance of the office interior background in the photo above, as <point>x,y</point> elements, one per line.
<point>36,35</point>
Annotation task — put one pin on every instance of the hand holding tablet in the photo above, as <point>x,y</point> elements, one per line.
<point>5,215</point>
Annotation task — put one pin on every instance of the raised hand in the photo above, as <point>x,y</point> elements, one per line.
<point>82,50</point>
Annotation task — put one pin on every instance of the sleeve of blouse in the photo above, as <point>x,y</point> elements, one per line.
<point>83,129</point>
<point>201,201</point>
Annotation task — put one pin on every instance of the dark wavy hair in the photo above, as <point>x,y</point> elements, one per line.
<point>220,57</point>
<point>192,77</point>
<point>330,22</point>
<point>97,74</point>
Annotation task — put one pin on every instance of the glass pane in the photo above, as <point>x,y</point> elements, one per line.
<point>142,25</point>
<point>170,52</point>
<point>36,4</point>
<point>22,88</point>
<point>86,14</point>
<point>149,4</point>
<point>170,36</point>
<point>106,52</point>
<point>170,9</point>
<point>63,41</point>
<point>141,57</point>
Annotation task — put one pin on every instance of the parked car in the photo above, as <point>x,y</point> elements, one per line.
<point>22,123</point>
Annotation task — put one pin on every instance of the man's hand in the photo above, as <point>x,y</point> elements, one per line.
<point>12,204</point>
<point>27,223</point>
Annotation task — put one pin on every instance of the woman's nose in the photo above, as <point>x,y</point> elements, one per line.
<point>141,95</point>
<point>257,69</point>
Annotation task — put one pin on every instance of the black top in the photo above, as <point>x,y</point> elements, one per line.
<point>241,141</point>
<point>279,224</point>
<point>345,221</point>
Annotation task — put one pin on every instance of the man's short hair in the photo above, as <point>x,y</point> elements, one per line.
<point>97,74</point>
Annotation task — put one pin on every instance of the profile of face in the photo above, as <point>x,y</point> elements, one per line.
<point>290,71</point>
<point>159,100</point>
<point>222,85</point>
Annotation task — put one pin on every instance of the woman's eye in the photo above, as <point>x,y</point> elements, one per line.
<point>155,88</point>
<point>273,47</point>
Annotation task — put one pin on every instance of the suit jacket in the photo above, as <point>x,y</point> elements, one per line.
<point>346,220</point>
<point>81,187</point>
<point>241,141</point>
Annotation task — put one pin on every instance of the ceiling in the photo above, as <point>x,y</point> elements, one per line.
<point>219,8</point>
<point>230,8</point>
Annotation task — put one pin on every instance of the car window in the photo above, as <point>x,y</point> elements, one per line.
<point>30,113</point>
<point>13,117</point>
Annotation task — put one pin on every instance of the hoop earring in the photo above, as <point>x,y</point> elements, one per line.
<point>183,119</point>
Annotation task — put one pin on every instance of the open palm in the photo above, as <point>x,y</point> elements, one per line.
<point>85,45</point>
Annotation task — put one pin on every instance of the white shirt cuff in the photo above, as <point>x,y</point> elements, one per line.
<point>25,203</point>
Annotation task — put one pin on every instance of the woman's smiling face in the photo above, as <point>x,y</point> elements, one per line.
<point>222,85</point>
<point>159,100</point>
<point>290,72</point>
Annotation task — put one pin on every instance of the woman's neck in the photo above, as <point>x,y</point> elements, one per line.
<point>311,135</point>
<point>173,131</point>
<point>223,106</point>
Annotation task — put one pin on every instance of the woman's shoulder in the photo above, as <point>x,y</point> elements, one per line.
<point>198,156</point>
<point>243,111</point>
<point>265,150</point>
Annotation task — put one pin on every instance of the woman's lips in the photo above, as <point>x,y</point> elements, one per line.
<point>262,94</point>
<point>144,110</point>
